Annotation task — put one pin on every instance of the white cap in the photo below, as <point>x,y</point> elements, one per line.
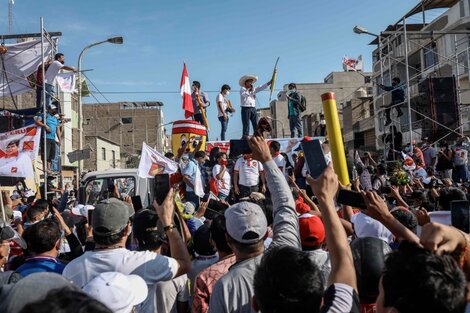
<point>117,291</point>
<point>82,210</point>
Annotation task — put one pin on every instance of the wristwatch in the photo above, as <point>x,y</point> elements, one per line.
<point>167,228</point>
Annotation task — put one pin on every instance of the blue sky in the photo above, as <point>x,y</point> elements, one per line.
<point>219,40</point>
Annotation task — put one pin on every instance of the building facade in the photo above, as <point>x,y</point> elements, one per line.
<point>105,154</point>
<point>128,124</point>
<point>343,84</point>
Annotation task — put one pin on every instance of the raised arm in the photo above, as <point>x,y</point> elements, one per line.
<point>286,223</point>
<point>342,265</point>
<point>378,210</point>
<point>178,249</point>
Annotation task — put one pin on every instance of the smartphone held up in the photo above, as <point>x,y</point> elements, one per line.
<point>162,187</point>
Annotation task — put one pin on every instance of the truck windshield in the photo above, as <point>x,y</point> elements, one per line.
<point>101,188</point>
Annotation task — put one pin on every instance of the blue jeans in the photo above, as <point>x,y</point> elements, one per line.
<point>295,123</point>
<point>249,114</point>
<point>50,92</point>
<point>223,124</point>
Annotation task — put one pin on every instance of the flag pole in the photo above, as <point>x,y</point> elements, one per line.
<point>273,80</point>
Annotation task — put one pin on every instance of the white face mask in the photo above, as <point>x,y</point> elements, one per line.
<point>227,93</point>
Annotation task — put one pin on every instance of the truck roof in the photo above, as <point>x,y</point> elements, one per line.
<point>112,172</point>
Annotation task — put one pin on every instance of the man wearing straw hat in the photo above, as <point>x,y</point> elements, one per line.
<point>248,101</point>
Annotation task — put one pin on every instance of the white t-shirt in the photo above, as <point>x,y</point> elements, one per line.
<point>280,162</point>
<point>221,98</point>
<point>248,171</point>
<point>52,72</point>
<point>152,267</point>
<point>223,185</point>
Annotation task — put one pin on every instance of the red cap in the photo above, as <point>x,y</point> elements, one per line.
<point>312,231</point>
<point>302,207</point>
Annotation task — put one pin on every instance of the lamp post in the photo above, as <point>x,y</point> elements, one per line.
<point>113,40</point>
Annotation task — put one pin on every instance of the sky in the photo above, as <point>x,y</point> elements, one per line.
<point>219,40</point>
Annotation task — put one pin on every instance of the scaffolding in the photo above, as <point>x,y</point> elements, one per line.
<point>51,38</point>
<point>402,42</point>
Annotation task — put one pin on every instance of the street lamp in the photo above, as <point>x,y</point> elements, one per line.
<point>361,30</point>
<point>114,40</point>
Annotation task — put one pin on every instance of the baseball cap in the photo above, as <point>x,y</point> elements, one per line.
<point>147,222</point>
<point>312,231</point>
<point>246,222</point>
<point>117,291</point>
<point>111,216</point>
<point>31,288</point>
<point>365,226</point>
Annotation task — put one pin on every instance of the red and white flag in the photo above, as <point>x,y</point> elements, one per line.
<point>186,94</point>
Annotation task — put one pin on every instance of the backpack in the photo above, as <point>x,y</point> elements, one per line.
<point>302,104</point>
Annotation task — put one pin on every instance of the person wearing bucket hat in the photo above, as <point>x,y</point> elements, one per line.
<point>7,236</point>
<point>248,101</point>
<point>246,229</point>
<point>111,223</point>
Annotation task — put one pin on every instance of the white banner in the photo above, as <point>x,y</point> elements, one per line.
<point>153,162</point>
<point>66,82</point>
<point>18,149</point>
<point>20,61</point>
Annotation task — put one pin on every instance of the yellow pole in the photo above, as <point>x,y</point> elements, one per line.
<point>335,137</point>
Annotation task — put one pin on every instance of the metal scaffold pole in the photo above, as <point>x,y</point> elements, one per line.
<point>44,109</point>
<point>408,93</point>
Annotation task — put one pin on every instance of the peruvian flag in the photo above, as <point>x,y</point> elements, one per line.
<point>186,94</point>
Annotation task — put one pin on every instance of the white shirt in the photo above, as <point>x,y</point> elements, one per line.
<point>52,72</point>
<point>223,185</point>
<point>221,98</point>
<point>248,171</point>
<point>248,98</point>
<point>152,267</point>
<point>280,162</point>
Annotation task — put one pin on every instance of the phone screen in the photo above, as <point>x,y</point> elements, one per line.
<point>137,203</point>
<point>162,187</point>
<point>314,157</point>
<point>351,198</point>
<point>459,210</point>
<point>239,147</point>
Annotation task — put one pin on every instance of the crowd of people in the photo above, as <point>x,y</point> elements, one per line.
<point>265,237</point>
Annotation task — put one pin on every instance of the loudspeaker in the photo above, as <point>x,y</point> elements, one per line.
<point>437,101</point>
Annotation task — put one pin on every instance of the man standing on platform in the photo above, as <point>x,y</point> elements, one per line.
<point>248,101</point>
<point>200,99</point>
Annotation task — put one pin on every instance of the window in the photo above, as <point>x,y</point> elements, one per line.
<point>103,154</point>
<point>126,120</point>
<point>113,154</point>
<point>430,55</point>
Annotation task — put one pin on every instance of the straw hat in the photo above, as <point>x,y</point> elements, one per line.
<point>247,77</point>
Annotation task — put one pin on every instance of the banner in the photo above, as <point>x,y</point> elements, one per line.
<point>20,61</point>
<point>288,145</point>
<point>66,82</point>
<point>153,162</point>
<point>18,149</point>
